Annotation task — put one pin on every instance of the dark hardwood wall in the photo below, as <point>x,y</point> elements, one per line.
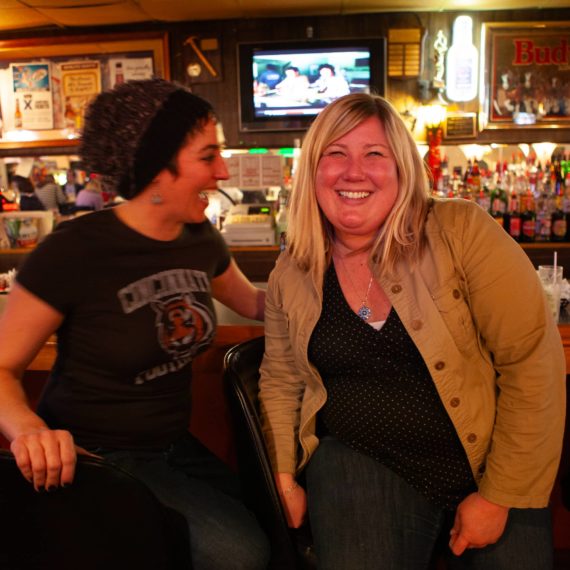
<point>223,94</point>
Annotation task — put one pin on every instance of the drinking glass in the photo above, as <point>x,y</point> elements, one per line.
<point>551,279</point>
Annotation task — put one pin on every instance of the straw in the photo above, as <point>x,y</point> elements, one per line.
<point>554,279</point>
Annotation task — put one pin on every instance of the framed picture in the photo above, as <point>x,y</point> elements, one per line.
<point>46,84</point>
<point>526,75</point>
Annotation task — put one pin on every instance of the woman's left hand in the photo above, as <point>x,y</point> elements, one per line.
<point>478,523</point>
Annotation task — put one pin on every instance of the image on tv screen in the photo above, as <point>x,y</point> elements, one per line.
<point>302,82</point>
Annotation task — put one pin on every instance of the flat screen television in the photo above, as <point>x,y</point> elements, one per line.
<point>284,85</point>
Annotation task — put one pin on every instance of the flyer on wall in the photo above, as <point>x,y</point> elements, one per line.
<point>32,96</point>
<point>130,69</point>
<point>80,83</point>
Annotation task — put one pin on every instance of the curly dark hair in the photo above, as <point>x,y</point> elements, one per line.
<point>133,131</point>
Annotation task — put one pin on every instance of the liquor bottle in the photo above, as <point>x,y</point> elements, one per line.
<point>476,176</point>
<point>534,177</point>
<point>457,187</point>
<point>513,219</point>
<point>559,223</point>
<point>18,123</point>
<point>483,198</point>
<point>444,181</point>
<point>543,210</point>
<point>499,204</point>
<point>528,218</point>
<point>566,205</point>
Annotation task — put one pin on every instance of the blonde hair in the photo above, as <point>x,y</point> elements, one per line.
<point>94,185</point>
<point>310,235</point>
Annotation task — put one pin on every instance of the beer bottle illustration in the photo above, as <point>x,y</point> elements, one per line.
<point>119,76</point>
<point>18,116</point>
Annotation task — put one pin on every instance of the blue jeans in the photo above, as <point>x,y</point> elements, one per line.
<point>363,516</point>
<point>189,479</point>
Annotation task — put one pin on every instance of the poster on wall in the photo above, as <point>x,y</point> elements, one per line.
<point>130,69</point>
<point>528,74</point>
<point>80,82</point>
<point>32,96</point>
<point>253,171</point>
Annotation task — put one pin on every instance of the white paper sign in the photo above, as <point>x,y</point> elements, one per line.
<point>130,69</point>
<point>254,171</point>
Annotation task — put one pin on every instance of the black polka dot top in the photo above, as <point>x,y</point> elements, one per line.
<point>383,402</point>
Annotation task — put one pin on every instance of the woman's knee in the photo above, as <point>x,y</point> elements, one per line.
<point>234,549</point>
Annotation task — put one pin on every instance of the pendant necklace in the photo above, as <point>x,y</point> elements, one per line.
<point>364,311</point>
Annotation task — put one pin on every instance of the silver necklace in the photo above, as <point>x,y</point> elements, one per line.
<point>364,311</point>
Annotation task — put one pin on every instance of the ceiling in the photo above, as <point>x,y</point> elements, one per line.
<point>68,14</point>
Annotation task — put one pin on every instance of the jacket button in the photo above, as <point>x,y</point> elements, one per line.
<point>456,294</point>
<point>439,365</point>
<point>471,438</point>
<point>416,325</point>
<point>454,402</point>
<point>396,288</point>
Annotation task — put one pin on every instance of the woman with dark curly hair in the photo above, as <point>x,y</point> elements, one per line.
<point>128,290</point>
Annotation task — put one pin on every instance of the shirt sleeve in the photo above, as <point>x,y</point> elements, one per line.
<point>223,254</point>
<point>511,313</point>
<point>52,270</point>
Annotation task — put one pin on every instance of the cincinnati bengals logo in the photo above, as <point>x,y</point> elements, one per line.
<point>183,326</point>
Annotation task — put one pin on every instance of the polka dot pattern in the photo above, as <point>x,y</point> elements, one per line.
<point>382,400</point>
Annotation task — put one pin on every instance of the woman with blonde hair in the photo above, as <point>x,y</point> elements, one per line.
<point>402,380</point>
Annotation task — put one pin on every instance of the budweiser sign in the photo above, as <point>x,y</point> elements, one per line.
<point>528,52</point>
<point>529,73</point>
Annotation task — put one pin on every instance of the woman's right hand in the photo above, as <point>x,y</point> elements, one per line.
<point>45,457</point>
<point>293,498</point>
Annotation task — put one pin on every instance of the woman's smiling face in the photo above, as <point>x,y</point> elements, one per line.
<point>357,181</point>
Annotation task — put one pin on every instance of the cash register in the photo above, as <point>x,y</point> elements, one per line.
<point>250,224</point>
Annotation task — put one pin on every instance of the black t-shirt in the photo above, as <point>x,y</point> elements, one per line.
<point>136,312</point>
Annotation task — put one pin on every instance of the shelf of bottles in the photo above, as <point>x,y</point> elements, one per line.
<point>529,198</point>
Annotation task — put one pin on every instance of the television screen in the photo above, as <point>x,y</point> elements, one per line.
<point>283,86</point>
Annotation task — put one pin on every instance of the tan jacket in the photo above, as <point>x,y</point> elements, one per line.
<point>476,311</point>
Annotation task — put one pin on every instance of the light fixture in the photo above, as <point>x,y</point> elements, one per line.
<point>462,62</point>
<point>544,151</point>
<point>475,151</point>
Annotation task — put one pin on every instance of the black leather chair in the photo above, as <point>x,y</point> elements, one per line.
<point>291,549</point>
<point>106,519</point>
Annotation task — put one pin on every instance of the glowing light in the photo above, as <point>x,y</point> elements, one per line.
<point>462,62</point>
<point>544,151</point>
<point>476,151</point>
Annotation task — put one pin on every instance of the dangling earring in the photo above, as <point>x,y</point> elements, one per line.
<point>155,198</point>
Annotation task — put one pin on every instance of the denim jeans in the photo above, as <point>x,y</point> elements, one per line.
<point>363,516</point>
<point>188,478</point>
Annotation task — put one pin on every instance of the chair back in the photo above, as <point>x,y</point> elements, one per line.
<point>290,549</point>
<point>105,519</point>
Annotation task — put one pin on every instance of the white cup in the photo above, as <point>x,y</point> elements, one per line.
<point>552,284</point>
